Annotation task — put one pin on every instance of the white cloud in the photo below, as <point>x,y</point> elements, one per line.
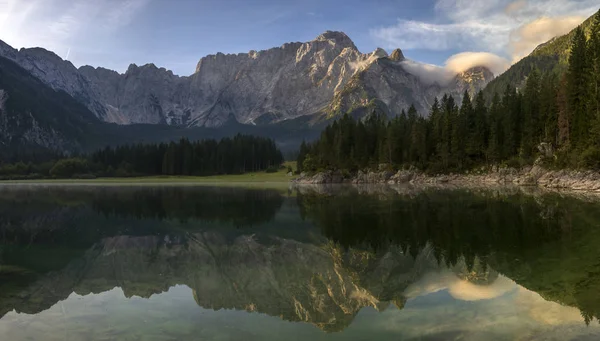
<point>428,73</point>
<point>122,14</point>
<point>457,63</point>
<point>503,27</point>
<point>514,7</point>
<point>467,291</point>
<point>466,60</point>
<point>546,312</point>
<point>438,37</point>
<point>56,24</point>
<point>458,288</point>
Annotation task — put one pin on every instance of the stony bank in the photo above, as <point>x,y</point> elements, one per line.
<point>528,176</point>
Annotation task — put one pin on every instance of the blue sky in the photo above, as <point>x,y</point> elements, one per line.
<point>176,33</point>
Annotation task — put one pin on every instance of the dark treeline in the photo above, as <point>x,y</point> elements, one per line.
<point>560,110</point>
<point>235,155</point>
<point>208,157</point>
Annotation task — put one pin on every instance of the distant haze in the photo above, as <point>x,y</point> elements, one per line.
<point>456,64</point>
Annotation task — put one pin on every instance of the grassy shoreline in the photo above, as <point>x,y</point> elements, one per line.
<point>257,178</point>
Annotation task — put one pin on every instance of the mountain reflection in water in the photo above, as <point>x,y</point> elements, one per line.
<point>347,262</point>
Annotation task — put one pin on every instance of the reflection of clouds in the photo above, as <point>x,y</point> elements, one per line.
<point>458,288</point>
<point>525,301</point>
<point>502,310</point>
<point>467,291</point>
<point>546,312</point>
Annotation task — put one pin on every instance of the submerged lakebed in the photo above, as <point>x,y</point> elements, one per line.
<point>340,262</point>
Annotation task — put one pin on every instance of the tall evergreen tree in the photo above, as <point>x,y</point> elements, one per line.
<point>460,130</point>
<point>510,122</point>
<point>494,150</point>
<point>445,144</point>
<point>531,112</point>
<point>549,109</point>
<point>436,121</point>
<point>578,76</point>
<point>479,138</point>
<point>564,117</point>
<point>594,87</point>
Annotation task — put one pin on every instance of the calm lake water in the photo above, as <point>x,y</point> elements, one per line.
<point>315,263</point>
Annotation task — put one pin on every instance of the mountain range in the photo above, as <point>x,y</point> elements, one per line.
<point>295,88</point>
<point>294,80</point>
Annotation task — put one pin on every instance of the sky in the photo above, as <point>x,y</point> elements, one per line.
<point>175,34</point>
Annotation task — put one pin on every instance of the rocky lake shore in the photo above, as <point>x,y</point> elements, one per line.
<point>535,176</point>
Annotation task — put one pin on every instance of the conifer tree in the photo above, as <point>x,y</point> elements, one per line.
<point>578,76</point>
<point>510,123</point>
<point>414,131</point>
<point>445,144</point>
<point>531,113</point>
<point>549,109</point>
<point>594,87</point>
<point>563,116</point>
<point>459,130</point>
<point>480,134</point>
<point>436,121</point>
<point>494,150</point>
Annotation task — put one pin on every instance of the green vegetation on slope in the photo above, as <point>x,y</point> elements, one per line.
<point>517,127</point>
<point>552,56</point>
<point>37,116</point>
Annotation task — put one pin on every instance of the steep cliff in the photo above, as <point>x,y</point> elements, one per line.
<point>323,76</point>
<point>33,116</point>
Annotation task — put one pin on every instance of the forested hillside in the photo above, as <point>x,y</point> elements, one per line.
<point>562,112</point>
<point>552,56</point>
<point>34,117</point>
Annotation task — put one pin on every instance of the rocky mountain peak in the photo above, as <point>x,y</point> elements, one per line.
<point>379,53</point>
<point>472,80</point>
<point>257,87</point>
<point>339,38</point>
<point>150,67</point>
<point>132,68</point>
<point>41,53</point>
<point>7,51</point>
<point>476,74</point>
<point>397,55</point>
<point>87,69</point>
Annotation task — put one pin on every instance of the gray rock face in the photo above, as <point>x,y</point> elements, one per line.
<point>386,83</point>
<point>3,98</point>
<point>57,73</point>
<point>145,94</point>
<point>471,80</point>
<point>397,55</point>
<point>325,75</point>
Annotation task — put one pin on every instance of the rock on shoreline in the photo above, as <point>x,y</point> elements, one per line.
<point>527,176</point>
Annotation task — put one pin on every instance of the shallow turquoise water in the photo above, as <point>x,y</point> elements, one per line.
<point>316,263</point>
